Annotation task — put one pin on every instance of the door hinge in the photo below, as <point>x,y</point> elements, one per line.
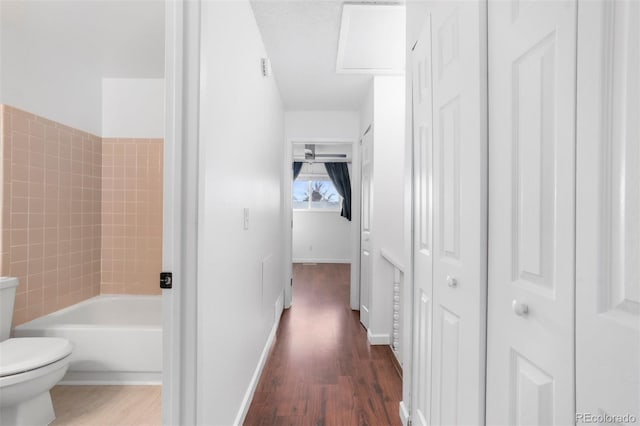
<point>166,279</point>
<point>291,282</point>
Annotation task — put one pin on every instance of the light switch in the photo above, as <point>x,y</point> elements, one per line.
<point>246,218</point>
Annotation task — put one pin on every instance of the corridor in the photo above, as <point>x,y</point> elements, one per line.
<point>321,370</point>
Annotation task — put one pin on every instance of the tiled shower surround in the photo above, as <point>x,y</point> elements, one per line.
<point>62,220</point>
<point>131,215</point>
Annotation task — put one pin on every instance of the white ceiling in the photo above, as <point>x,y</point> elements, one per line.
<point>301,38</point>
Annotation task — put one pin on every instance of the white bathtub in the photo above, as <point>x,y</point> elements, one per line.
<point>117,339</point>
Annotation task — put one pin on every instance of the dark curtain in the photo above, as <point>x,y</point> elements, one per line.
<point>339,174</point>
<point>297,166</point>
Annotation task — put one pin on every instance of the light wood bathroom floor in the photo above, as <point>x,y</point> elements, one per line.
<point>107,405</point>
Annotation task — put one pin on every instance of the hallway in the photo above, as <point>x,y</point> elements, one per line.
<point>321,370</point>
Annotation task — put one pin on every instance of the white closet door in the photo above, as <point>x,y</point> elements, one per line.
<point>422,240</point>
<point>608,211</point>
<point>366,262</point>
<point>459,215</point>
<point>532,71</point>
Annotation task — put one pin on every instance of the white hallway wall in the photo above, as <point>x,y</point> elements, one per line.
<point>383,108</point>
<point>240,275</point>
<point>321,236</point>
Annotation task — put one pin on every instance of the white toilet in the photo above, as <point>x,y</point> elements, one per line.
<point>29,368</point>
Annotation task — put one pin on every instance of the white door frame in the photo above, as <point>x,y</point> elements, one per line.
<point>354,299</point>
<point>182,69</point>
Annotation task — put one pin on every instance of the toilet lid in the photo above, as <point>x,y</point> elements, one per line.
<point>28,353</point>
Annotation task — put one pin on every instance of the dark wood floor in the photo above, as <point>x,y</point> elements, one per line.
<point>321,370</point>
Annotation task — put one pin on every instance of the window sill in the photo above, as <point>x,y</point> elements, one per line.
<point>317,211</point>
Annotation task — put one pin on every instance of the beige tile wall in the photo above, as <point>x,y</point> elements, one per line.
<point>51,212</point>
<point>131,215</point>
<point>80,216</point>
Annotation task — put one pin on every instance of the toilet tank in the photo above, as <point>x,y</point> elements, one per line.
<point>7,297</point>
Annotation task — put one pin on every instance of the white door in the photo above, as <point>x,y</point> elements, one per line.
<point>422,222</point>
<point>459,214</point>
<point>608,212</point>
<point>532,71</point>
<point>366,262</point>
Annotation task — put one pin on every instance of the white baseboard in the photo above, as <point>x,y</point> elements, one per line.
<point>378,339</point>
<point>404,414</point>
<point>321,261</point>
<point>248,396</point>
<point>76,377</point>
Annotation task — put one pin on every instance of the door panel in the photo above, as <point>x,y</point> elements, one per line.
<point>422,202</point>
<point>531,212</point>
<point>608,210</point>
<point>460,216</point>
<point>366,263</point>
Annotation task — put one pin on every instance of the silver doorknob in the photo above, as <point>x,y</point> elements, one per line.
<point>520,309</point>
<point>452,282</point>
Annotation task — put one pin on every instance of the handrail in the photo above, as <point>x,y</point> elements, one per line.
<point>392,259</point>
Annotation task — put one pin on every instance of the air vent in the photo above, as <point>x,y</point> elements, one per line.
<point>265,63</point>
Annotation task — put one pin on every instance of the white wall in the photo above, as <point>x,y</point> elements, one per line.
<point>301,126</point>
<point>240,276</point>
<point>322,124</point>
<point>321,237</point>
<point>384,108</point>
<point>54,54</point>
<point>388,139</point>
<point>133,107</point>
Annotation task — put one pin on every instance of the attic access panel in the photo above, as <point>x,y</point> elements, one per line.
<point>372,39</point>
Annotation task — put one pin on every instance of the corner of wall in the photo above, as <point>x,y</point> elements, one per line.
<point>5,164</point>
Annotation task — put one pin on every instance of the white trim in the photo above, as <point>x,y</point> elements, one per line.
<point>248,396</point>
<point>171,222</point>
<point>109,378</point>
<point>378,339</point>
<point>392,259</point>
<point>298,260</point>
<point>318,211</point>
<point>182,52</point>
<point>322,141</point>
<point>404,414</point>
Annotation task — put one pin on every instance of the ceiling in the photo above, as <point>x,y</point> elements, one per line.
<point>302,40</point>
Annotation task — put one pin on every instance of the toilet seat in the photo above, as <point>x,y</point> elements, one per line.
<point>24,354</point>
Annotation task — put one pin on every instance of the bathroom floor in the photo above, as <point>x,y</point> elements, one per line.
<point>107,405</point>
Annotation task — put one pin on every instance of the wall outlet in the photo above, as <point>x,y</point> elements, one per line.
<point>246,218</point>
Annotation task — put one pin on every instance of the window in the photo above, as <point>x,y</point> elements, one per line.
<point>315,193</point>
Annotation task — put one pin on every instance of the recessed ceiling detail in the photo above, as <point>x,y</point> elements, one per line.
<point>372,39</point>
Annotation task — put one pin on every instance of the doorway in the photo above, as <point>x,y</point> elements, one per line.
<point>322,226</point>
